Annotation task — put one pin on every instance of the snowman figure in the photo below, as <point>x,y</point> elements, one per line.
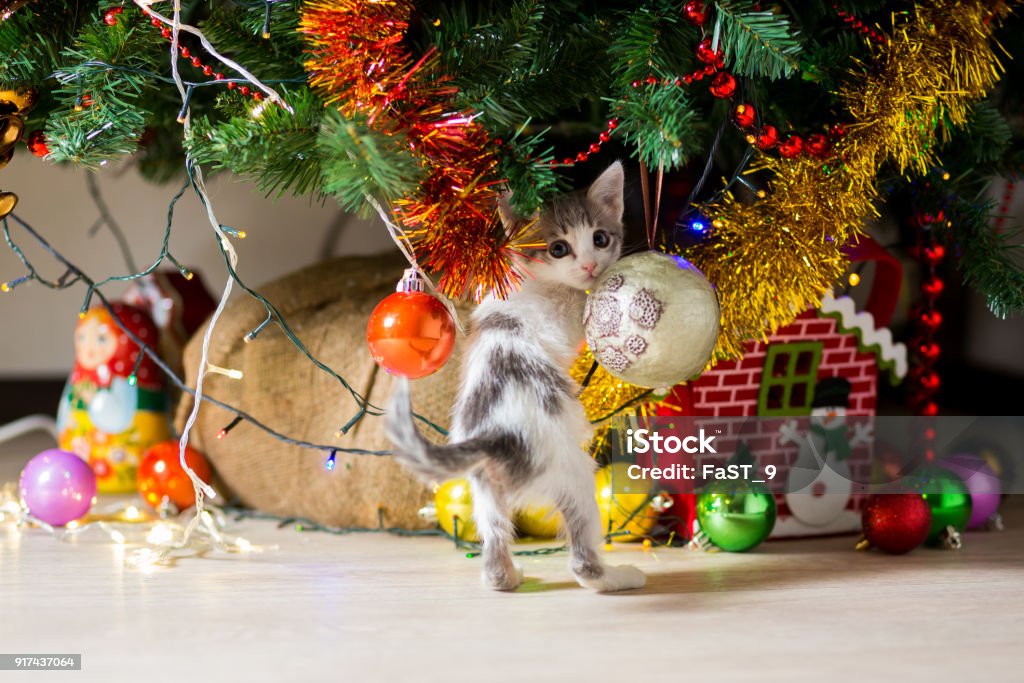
<point>819,483</point>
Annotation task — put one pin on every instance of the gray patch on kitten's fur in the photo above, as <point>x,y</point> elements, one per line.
<point>501,322</point>
<point>508,368</point>
<point>567,211</point>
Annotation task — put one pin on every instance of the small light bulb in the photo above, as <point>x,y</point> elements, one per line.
<point>854,279</point>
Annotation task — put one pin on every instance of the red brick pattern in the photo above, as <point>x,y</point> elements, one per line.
<point>732,389</point>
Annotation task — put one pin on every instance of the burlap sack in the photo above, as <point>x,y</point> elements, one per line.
<point>327,306</point>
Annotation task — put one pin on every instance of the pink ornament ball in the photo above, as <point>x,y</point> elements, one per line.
<point>982,483</point>
<point>58,487</point>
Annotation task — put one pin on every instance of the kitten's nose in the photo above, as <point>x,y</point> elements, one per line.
<point>589,267</point>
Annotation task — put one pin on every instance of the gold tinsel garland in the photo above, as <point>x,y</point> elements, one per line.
<point>773,259</point>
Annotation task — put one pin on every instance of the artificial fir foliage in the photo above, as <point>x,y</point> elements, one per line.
<point>912,88</point>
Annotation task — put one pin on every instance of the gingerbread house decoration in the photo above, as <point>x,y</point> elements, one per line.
<point>833,346</point>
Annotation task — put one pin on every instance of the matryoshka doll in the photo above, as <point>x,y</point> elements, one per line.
<point>108,415</point>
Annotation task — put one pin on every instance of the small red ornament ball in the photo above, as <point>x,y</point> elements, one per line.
<point>934,253</point>
<point>933,287</point>
<point>896,523</point>
<point>705,53</point>
<point>768,137</point>
<point>161,475</point>
<point>36,142</point>
<point>110,16</point>
<point>695,13</point>
<point>743,115</point>
<point>723,85</point>
<point>410,334</point>
<point>791,147</point>
<point>818,145</point>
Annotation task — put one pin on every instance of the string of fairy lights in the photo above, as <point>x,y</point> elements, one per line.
<point>171,27</point>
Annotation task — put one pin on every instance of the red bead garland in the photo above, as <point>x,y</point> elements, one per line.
<point>792,146</point>
<point>110,16</point>
<point>695,13</point>
<point>744,115</point>
<point>924,380</point>
<point>36,143</point>
<point>1004,207</point>
<point>859,26</point>
<point>723,85</point>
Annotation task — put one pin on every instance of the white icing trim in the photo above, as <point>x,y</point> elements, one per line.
<point>864,322</point>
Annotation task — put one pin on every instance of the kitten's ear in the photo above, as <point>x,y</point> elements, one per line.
<point>606,192</point>
<point>505,211</point>
<point>509,218</point>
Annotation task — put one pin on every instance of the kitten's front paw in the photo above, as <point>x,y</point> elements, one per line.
<point>622,578</point>
<point>504,579</point>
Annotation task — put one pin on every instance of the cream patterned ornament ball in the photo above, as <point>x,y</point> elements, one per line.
<point>652,320</point>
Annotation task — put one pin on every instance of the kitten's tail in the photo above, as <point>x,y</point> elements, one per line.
<point>429,461</point>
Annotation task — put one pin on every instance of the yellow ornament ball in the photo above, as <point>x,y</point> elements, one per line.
<point>454,501</point>
<point>618,497</point>
<point>539,521</point>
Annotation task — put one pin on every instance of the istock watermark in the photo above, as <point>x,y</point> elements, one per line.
<point>815,454</point>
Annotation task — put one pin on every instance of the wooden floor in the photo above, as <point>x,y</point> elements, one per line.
<point>379,608</point>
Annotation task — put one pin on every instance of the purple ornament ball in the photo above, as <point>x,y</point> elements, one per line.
<point>982,483</point>
<point>58,487</point>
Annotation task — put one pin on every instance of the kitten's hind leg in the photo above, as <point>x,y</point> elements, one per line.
<point>491,512</point>
<point>583,528</point>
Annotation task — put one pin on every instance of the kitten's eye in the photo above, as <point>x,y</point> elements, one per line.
<point>601,239</point>
<point>559,249</point>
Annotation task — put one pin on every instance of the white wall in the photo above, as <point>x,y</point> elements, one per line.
<point>36,324</point>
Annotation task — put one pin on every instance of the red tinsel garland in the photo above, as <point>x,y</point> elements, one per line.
<point>360,62</point>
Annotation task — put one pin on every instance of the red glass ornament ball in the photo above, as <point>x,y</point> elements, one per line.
<point>931,381</point>
<point>931,320</point>
<point>162,476</point>
<point>818,145</point>
<point>695,13</point>
<point>934,253</point>
<point>933,287</point>
<point>410,334</point>
<point>896,523</point>
<point>37,143</point>
<point>705,53</point>
<point>110,16</point>
<point>723,85</point>
<point>744,115</point>
<point>930,351</point>
<point>791,147</point>
<point>768,137</point>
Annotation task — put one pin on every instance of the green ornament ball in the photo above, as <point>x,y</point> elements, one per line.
<point>948,497</point>
<point>736,516</point>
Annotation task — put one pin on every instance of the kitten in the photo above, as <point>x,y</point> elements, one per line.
<point>518,431</point>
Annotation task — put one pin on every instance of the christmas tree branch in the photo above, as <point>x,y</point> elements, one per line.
<point>757,43</point>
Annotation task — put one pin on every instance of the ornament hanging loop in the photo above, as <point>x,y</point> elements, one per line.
<point>651,204</point>
<point>411,281</point>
